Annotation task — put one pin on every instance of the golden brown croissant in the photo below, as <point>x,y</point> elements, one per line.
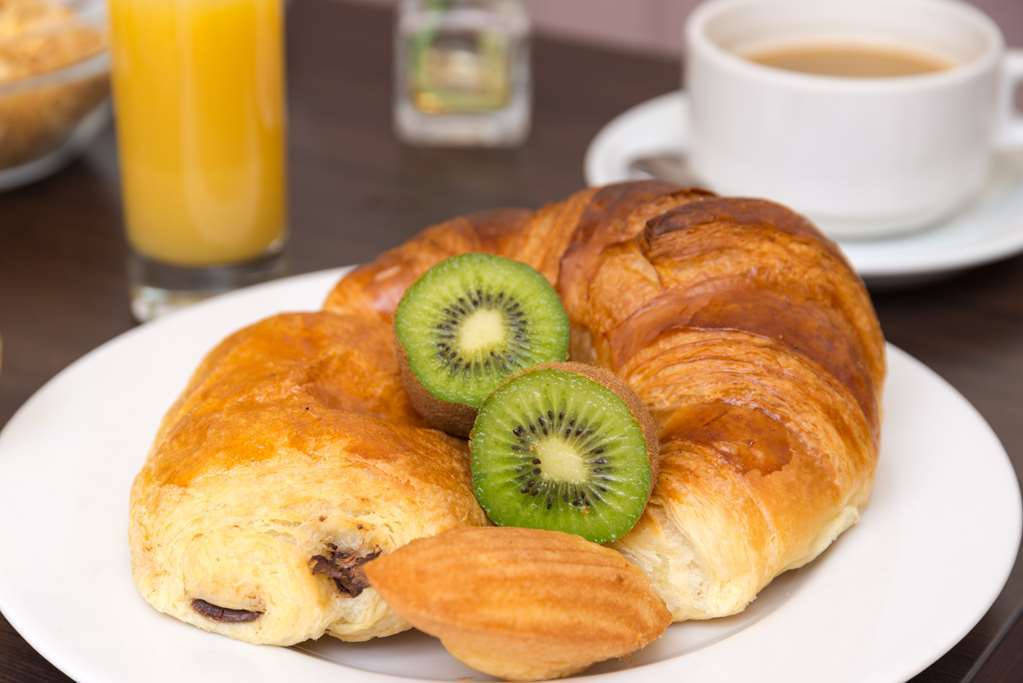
<point>744,331</point>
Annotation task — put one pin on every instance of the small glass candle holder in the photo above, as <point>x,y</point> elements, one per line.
<point>462,75</point>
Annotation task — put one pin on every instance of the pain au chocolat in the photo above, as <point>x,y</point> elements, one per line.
<point>293,456</point>
<point>291,459</point>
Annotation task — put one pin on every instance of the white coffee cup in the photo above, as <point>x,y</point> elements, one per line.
<point>863,157</point>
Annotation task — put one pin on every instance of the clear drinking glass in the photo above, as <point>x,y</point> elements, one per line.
<point>199,100</point>
<point>462,72</point>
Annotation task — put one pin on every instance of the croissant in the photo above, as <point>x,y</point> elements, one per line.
<point>743,330</point>
<point>293,456</point>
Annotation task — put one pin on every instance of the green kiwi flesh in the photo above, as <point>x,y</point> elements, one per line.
<point>564,447</point>
<point>468,324</point>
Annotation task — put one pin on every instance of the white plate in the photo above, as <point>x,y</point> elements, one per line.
<point>989,229</point>
<point>928,558</point>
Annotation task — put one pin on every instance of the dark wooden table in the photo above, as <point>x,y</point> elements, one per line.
<point>356,191</point>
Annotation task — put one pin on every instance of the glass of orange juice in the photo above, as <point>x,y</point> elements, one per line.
<point>199,99</point>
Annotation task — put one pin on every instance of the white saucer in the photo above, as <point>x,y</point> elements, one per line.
<point>988,230</point>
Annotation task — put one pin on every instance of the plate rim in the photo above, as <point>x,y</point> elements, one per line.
<point>595,163</point>
<point>72,664</point>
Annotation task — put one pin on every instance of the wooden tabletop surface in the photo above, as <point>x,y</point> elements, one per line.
<point>356,191</point>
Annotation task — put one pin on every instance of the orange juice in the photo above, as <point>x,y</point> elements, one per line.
<point>198,90</point>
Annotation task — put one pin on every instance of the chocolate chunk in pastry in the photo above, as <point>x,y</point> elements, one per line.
<point>224,614</point>
<point>345,567</point>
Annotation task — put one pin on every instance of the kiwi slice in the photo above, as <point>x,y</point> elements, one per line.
<point>567,447</point>
<point>468,324</point>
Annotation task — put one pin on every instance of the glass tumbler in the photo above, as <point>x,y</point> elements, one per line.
<point>462,75</point>
<point>199,101</point>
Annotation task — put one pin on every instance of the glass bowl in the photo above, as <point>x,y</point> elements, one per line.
<point>54,87</point>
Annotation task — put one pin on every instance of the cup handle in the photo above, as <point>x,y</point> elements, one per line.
<point>1012,119</point>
